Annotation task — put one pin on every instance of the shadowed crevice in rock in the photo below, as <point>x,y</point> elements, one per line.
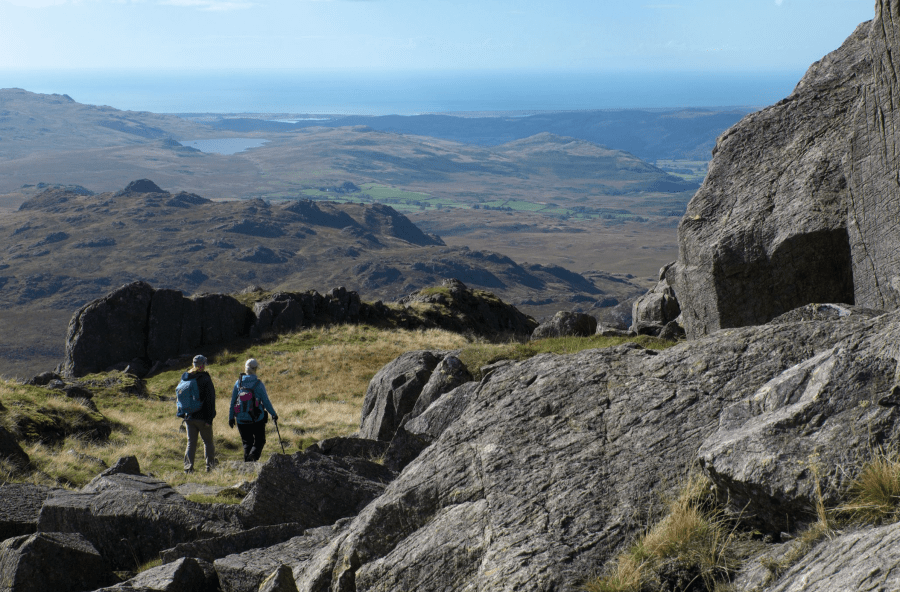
<point>803,269</point>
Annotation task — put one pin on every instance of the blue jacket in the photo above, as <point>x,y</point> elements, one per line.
<point>259,390</point>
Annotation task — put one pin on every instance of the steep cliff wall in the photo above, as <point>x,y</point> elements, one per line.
<point>801,201</point>
<point>873,207</point>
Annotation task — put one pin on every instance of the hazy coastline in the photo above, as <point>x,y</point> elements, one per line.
<point>409,93</point>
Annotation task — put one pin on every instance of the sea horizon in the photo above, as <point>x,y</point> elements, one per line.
<point>403,93</point>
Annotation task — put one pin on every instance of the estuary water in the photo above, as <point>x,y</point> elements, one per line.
<point>402,93</point>
<point>224,145</point>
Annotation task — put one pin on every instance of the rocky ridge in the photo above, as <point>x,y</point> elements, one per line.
<point>139,329</point>
<point>67,247</point>
<point>533,477</point>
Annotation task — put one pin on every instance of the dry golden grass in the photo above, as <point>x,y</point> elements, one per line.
<point>316,380</point>
<point>692,533</point>
<point>874,496</point>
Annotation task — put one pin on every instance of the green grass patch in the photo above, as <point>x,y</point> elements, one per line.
<point>381,193</point>
<point>229,495</point>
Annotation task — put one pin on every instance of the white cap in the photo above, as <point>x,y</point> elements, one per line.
<point>251,364</point>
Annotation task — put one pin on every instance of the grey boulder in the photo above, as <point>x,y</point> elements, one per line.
<point>566,324</point>
<point>864,559</point>
<point>217,547</point>
<point>393,392</point>
<point>438,416</point>
<point>281,580</point>
<point>802,430</point>
<point>108,330</point>
<point>62,562</point>
<point>184,575</point>
<point>446,376</point>
<point>800,201</point>
<point>312,489</point>
<point>656,308</point>
<point>248,571</point>
<point>131,518</point>
<point>20,505</point>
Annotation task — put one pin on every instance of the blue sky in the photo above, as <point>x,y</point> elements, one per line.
<point>544,35</point>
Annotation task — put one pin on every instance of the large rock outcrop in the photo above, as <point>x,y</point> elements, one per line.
<point>141,328</point>
<point>76,565</point>
<point>801,201</point>
<point>138,325</point>
<point>393,393</point>
<point>312,489</point>
<point>557,461</point>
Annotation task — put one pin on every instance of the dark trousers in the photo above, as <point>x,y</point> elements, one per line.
<point>253,436</point>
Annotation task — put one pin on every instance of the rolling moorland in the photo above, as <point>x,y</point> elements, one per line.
<point>560,203</point>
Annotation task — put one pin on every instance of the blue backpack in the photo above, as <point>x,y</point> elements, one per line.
<point>187,396</point>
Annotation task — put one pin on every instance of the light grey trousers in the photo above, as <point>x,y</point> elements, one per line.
<point>195,427</point>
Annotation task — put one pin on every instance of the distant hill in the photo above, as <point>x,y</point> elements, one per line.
<point>683,134</point>
<point>67,246</point>
<point>52,139</point>
<point>31,123</point>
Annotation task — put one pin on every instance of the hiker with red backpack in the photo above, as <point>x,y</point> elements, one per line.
<point>250,408</point>
<point>196,403</point>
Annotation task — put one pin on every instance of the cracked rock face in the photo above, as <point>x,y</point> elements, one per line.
<point>801,201</point>
<point>860,559</point>
<point>554,461</point>
<point>76,563</point>
<point>811,426</point>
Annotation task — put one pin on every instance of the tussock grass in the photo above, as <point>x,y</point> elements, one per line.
<point>149,565</point>
<point>694,537</point>
<point>874,496</point>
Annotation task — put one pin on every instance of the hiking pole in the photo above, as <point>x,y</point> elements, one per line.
<point>277,431</point>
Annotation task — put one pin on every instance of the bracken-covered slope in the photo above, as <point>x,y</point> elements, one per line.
<point>801,201</point>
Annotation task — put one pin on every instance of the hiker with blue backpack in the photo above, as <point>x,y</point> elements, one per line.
<point>196,402</point>
<point>250,408</point>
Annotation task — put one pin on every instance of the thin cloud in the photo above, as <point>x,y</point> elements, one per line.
<point>779,2</point>
<point>216,5</point>
<point>38,3</point>
<point>199,4</point>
